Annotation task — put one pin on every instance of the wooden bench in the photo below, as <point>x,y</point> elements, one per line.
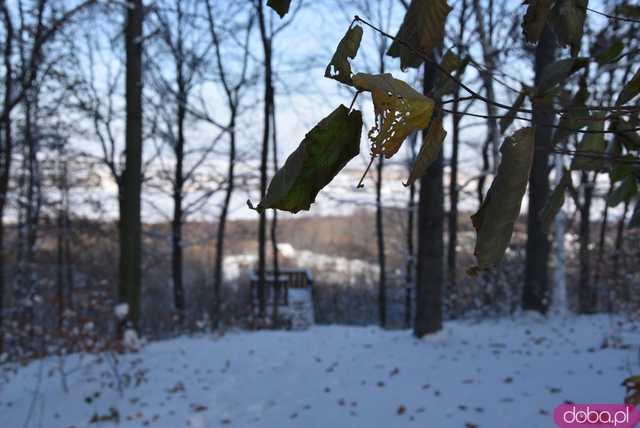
<point>287,278</point>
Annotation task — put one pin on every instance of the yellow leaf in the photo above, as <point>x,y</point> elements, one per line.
<point>399,110</point>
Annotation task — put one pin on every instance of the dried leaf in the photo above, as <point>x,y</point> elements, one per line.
<point>630,90</point>
<point>430,150</point>
<point>325,150</point>
<point>423,29</point>
<point>400,110</point>
<point>453,65</point>
<point>496,217</point>
<point>624,192</point>
<point>559,71</point>
<point>625,133</point>
<point>634,222</point>
<point>339,67</point>
<point>592,144</point>
<point>280,6</point>
<point>627,10</point>
<point>578,115</point>
<point>535,19</point>
<point>609,53</point>
<point>507,120</point>
<point>568,18</point>
<point>555,202</point>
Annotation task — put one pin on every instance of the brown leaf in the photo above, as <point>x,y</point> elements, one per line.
<point>280,6</point>
<point>430,150</point>
<point>422,29</point>
<point>554,204</point>
<point>535,19</point>
<point>339,67</point>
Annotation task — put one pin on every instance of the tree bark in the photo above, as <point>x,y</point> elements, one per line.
<point>264,159</point>
<point>222,222</point>
<point>587,297</point>
<point>274,223</point>
<point>430,266</point>
<point>6,156</point>
<point>382,276</point>
<point>178,182</point>
<point>130,221</point>
<point>536,286</point>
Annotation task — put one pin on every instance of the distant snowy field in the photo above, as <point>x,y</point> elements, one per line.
<point>496,373</point>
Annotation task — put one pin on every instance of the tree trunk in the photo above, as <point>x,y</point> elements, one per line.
<point>587,298</point>
<point>559,300</point>
<point>130,221</point>
<point>618,254</point>
<point>382,279</point>
<point>222,222</point>
<point>178,214</point>
<point>176,224</point>
<point>453,200</point>
<point>430,266</point>
<point>268,102</point>
<point>410,264</point>
<point>274,223</point>
<point>5,160</point>
<point>488,53</point>
<point>536,285</point>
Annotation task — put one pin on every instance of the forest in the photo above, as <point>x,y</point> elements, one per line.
<point>284,213</point>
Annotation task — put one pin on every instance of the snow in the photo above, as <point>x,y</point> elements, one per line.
<point>121,311</point>
<point>492,373</point>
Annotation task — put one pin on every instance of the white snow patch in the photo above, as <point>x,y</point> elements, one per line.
<point>497,373</point>
<point>121,311</point>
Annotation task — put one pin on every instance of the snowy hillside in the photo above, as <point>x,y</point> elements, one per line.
<point>506,373</point>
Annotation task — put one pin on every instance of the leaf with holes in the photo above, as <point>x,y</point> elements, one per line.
<point>496,217</point>
<point>339,67</point>
<point>399,109</point>
<point>555,202</point>
<point>535,19</point>
<point>280,6</point>
<point>422,29</point>
<point>325,150</point>
<point>430,150</point>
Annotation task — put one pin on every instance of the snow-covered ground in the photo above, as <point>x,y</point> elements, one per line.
<point>496,373</point>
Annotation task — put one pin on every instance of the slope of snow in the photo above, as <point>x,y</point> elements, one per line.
<point>497,373</point>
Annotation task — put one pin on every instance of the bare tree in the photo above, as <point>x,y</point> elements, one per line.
<point>130,207</point>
